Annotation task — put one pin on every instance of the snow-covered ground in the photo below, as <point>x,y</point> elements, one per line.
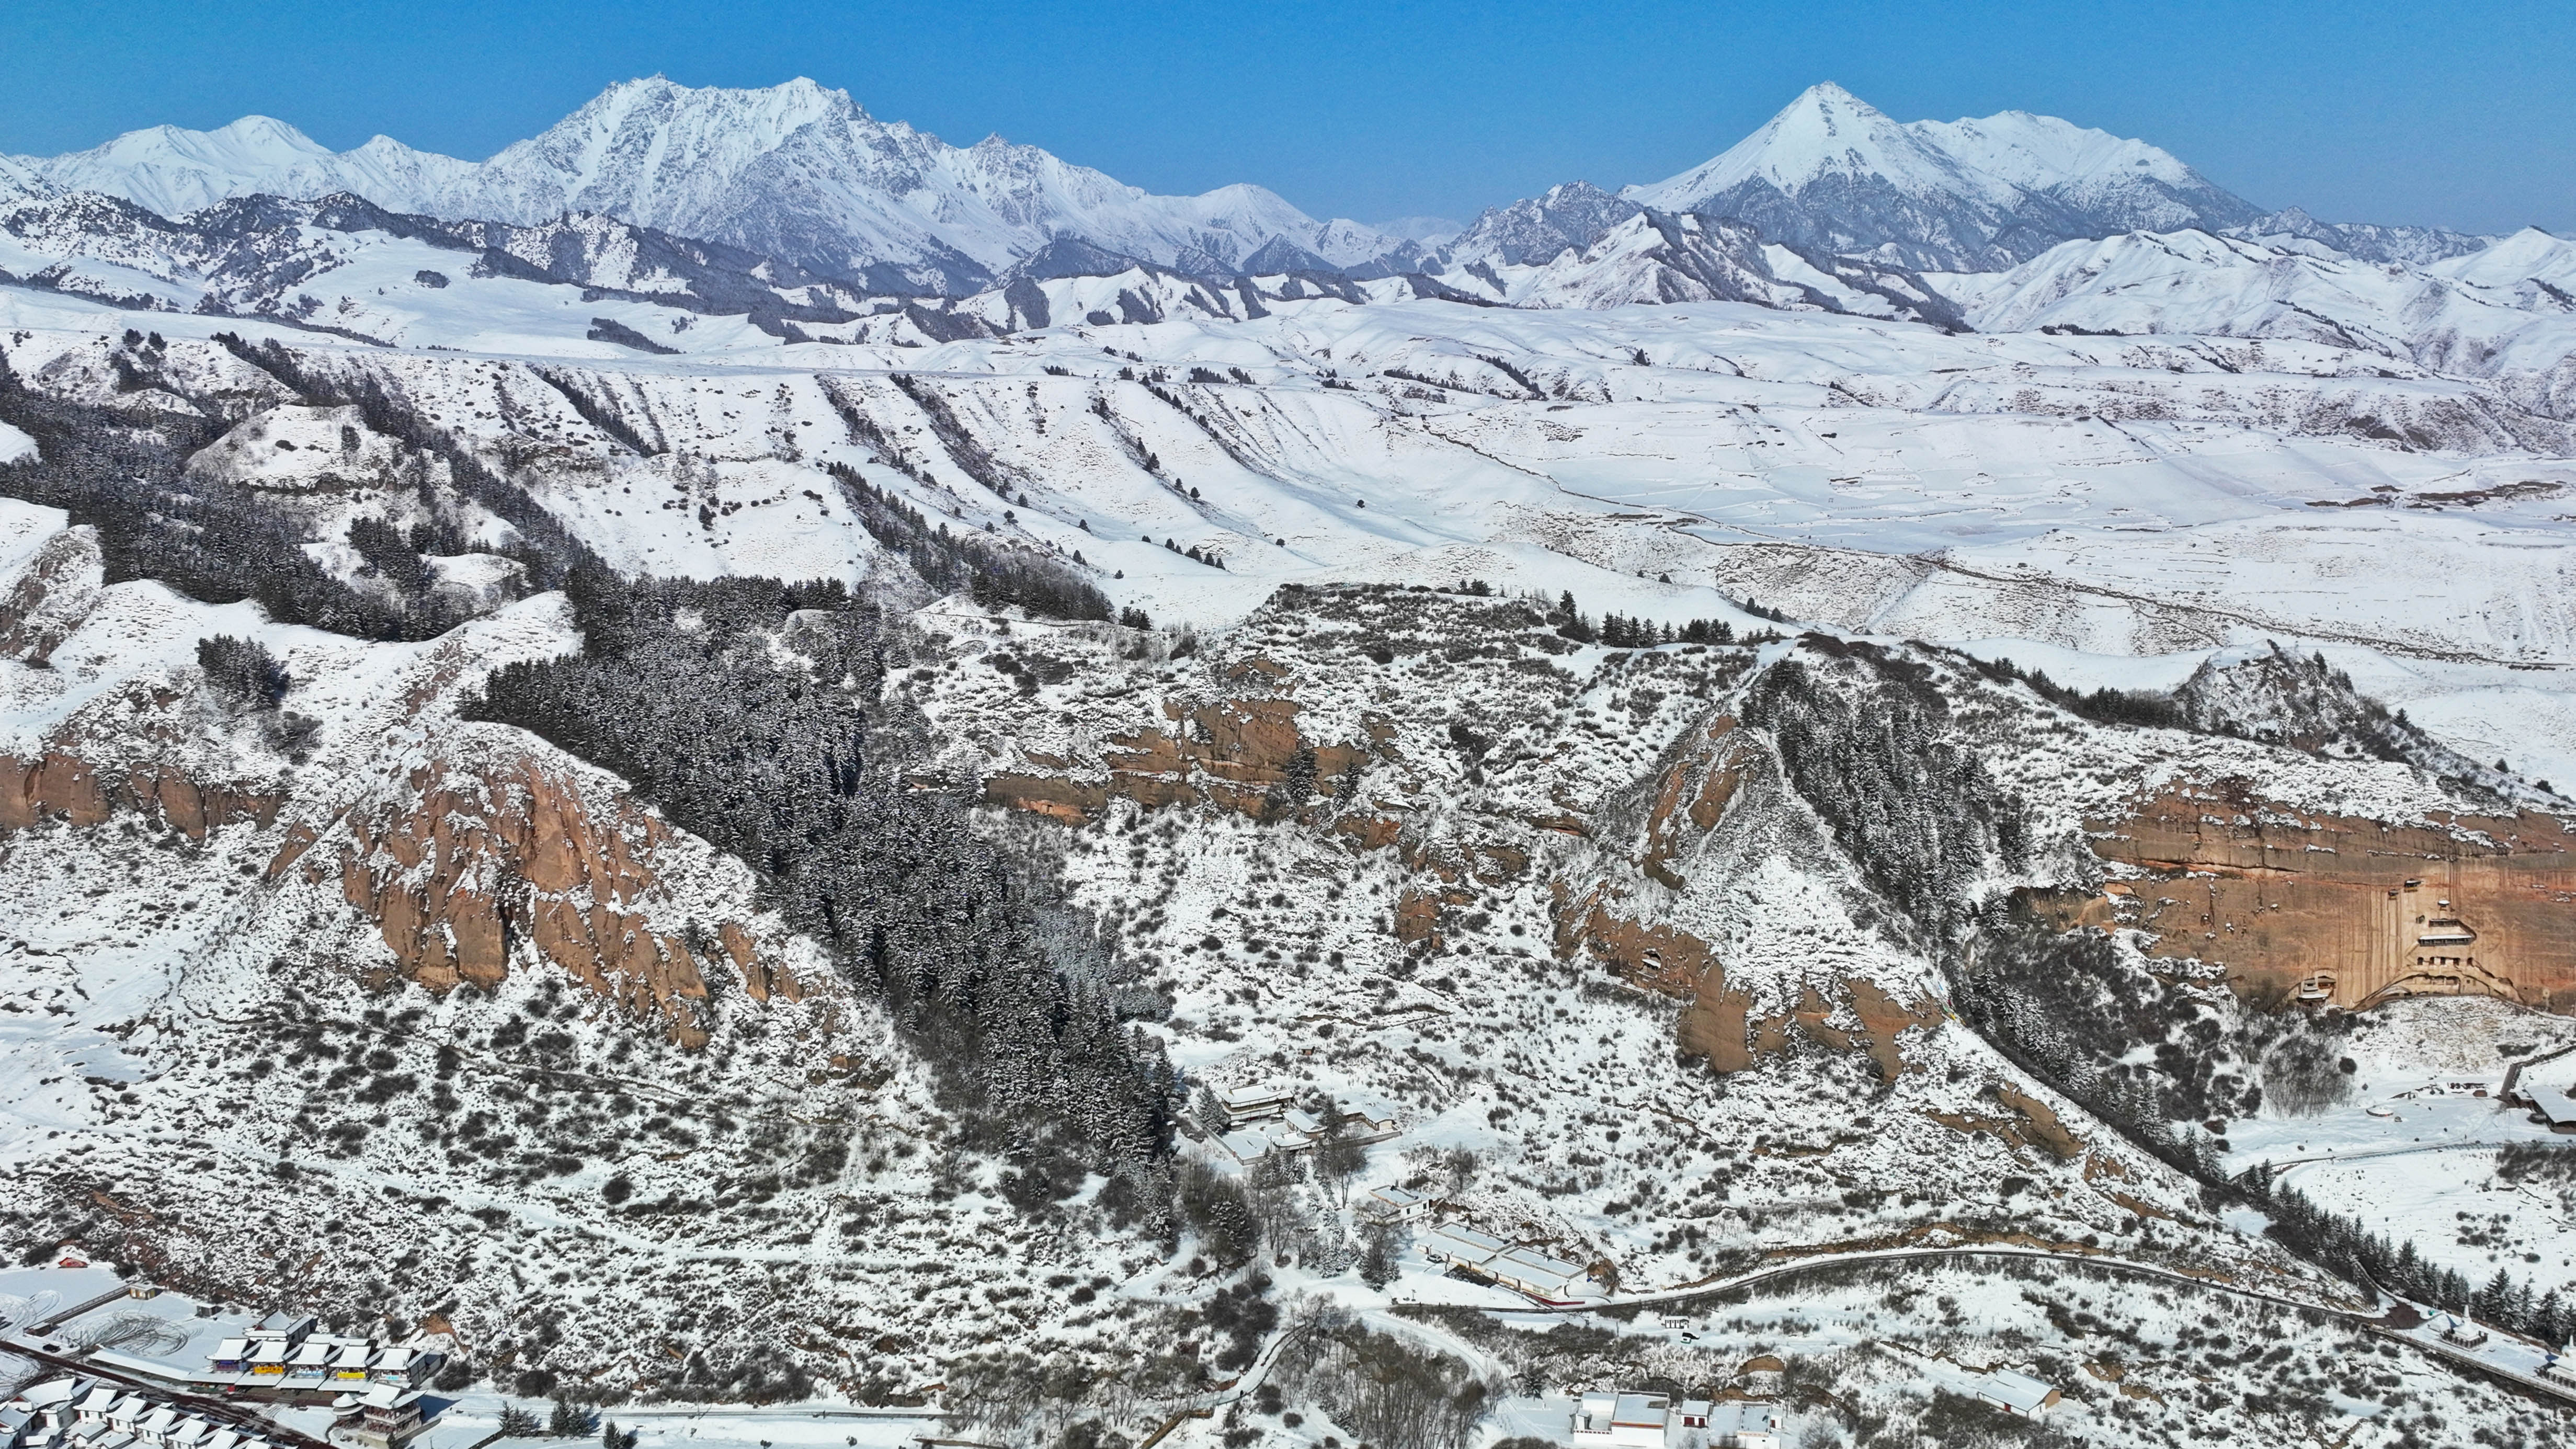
<point>2116,510</point>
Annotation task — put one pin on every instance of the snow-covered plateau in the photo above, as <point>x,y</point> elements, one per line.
<point>1134,849</point>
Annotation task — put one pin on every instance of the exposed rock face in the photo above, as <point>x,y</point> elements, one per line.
<point>51,595</point>
<point>462,867</point>
<point>1229,754</point>
<point>61,786</point>
<point>2348,911</point>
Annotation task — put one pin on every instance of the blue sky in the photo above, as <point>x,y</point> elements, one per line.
<point>2453,115</point>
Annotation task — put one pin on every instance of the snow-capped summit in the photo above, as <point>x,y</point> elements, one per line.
<point>2113,182</point>
<point>1835,173</point>
<point>797,171</point>
<point>172,170</point>
<point>1826,133</point>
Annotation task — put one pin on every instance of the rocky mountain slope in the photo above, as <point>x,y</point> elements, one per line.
<point>795,172</point>
<point>746,874</point>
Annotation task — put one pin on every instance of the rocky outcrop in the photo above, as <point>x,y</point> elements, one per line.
<point>465,871</point>
<point>2333,909</point>
<point>1231,754</point>
<point>51,595</point>
<point>62,786</point>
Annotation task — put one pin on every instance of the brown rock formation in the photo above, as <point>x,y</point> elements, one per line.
<point>474,864</point>
<point>2342,910</point>
<point>1228,754</point>
<point>62,786</point>
<point>51,596</point>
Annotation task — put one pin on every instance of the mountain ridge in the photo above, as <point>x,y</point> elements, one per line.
<point>798,171</point>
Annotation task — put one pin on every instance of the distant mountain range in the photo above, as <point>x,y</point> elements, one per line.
<point>802,175</point>
<point>796,172</point>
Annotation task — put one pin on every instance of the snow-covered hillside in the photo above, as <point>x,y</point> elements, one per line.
<point>1566,734</point>
<point>2504,313</point>
<point>796,171</point>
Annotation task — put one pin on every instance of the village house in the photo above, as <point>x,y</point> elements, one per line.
<point>1732,1424</point>
<point>283,1324</point>
<point>311,1366</point>
<point>1612,1420</point>
<point>1369,1116</point>
<point>1251,1104</point>
<point>2018,1393</point>
<point>1394,1205</point>
<point>84,1413</point>
<point>1551,1281</point>
<point>1461,1246</point>
<point>349,1364</point>
<point>1621,1421</point>
<point>382,1416</point>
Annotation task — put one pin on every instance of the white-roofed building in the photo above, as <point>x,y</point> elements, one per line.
<point>1371,1115</point>
<point>93,1407</point>
<point>282,1324</point>
<point>1251,1104</point>
<point>2016,1392</point>
<point>1621,1421</point>
<point>270,1356</point>
<point>350,1362</point>
<point>1394,1205</point>
<point>401,1364</point>
<point>1527,1270</point>
<point>1727,1424</point>
<point>381,1416</point>
<point>1457,1243</point>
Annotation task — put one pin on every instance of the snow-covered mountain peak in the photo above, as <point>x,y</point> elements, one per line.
<point>173,170</point>
<point>1826,131</point>
<point>2043,151</point>
<point>1834,173</point>
<point>798,171</point>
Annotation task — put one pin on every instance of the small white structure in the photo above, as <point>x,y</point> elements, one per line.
<point>1732,1424</point>
<point>1621,1421</point>
<point>2016,1392</point>
<point>1371,1116</point>
<point>269,1357</point>
<point>2464,1333</point>
<point>349,1364</point>
<point>1527,1270</point>
<point>402,1365</point>
<point>1460,1244</point>
<point>1394,1205</point>
<point>289,1326</point>
<point>2561,1368</point>
<point>1296,1128</point>
<point>1245,1145</point>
